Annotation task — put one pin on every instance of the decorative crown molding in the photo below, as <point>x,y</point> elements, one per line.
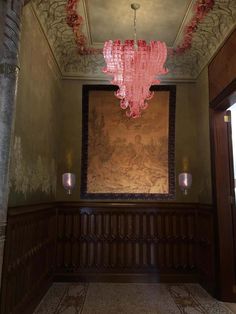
<point>207,38</point>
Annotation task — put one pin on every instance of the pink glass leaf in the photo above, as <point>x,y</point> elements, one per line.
<point>124,104</point>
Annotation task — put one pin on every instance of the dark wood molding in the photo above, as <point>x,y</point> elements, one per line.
<point>130,205</point>
<point>226,98</point>
<point>27,209</point>
<point>154,277</point>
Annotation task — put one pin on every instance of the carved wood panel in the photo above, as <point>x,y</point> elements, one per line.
<point>124,239</point>
<point>109,240</point>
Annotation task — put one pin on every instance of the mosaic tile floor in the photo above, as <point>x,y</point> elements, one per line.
<point>116,298</point>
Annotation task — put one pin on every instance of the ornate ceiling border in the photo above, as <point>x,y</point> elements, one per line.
<point>76,21</point>
<point>206,39</point>
<point>200,9</point>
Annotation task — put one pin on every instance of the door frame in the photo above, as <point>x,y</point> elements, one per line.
<point>222,192</point>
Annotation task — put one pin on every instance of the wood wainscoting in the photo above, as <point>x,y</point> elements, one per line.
<point>28,257</point>
<point>168,242</point>
<point>98,241</point>
<point>206,248</point>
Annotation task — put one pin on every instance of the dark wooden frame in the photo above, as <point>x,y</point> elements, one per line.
<point>222,185</point>
<point>171,148</point>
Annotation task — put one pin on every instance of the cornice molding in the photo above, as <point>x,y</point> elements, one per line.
<point>208,38</point>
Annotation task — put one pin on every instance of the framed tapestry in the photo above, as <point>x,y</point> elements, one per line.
<point>125,158</point>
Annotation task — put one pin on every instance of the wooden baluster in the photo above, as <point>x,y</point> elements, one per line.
<point>167,239</point>
<point>145,235</point>
<point>99,235</point>
<point>175,237</point>
<point>161,241</point>
<point>184,238</point>
<point>113,236</point>
<point>75,241</point>
<point>67,241</point>
<point>121,245</point>
<point>191,232</point>
<point>133,264</point>
<point>147,240</point>
<point>95,240</point>
<point>141,237</point>
<point>129,253</point>
<point>92,237</point>
<point>137,236</point>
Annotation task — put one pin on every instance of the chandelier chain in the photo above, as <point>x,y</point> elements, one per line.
<point>135,29</point>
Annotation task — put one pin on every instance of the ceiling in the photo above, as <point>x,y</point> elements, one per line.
<point>152,21</point>
<point>156,20</point>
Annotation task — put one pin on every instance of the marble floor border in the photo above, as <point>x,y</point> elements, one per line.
<point>133,298</point>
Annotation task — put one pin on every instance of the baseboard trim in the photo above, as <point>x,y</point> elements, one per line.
<point>129,278</point>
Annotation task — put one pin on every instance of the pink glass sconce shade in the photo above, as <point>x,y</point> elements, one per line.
<point>185,182</point>
<point>68,182</point>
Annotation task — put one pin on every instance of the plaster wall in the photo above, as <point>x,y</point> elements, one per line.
<point>201,103</point>
<point>33,167</point>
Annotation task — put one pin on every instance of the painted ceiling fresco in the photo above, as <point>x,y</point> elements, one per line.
<point>193,30</point>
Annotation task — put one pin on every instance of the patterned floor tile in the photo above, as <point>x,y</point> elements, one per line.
<point>52,299</point>
<point>140,298</point>
<point>73,299</point>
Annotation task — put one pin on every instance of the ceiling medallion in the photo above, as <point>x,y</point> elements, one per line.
<point>134,66</point>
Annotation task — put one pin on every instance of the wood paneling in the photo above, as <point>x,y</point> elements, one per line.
<point>99,241</point>
<point>222,69</point>
<point>206,247</point>
<point>28,257</point>
<point>148,242</point>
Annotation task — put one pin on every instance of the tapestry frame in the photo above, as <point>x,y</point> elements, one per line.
<point>84,194</point>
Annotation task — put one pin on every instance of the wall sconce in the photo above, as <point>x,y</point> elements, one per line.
<point>185,182</point>
<point>68,182</point>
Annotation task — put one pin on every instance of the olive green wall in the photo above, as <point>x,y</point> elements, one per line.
<point>201,102</point>
<point>187,143</point>
<point>186,140</point>
<point>33,167</point>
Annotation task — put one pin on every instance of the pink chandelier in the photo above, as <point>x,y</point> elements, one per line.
<point>134,66</point>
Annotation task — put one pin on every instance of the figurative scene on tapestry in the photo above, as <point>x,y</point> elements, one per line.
<point>127,155</point>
